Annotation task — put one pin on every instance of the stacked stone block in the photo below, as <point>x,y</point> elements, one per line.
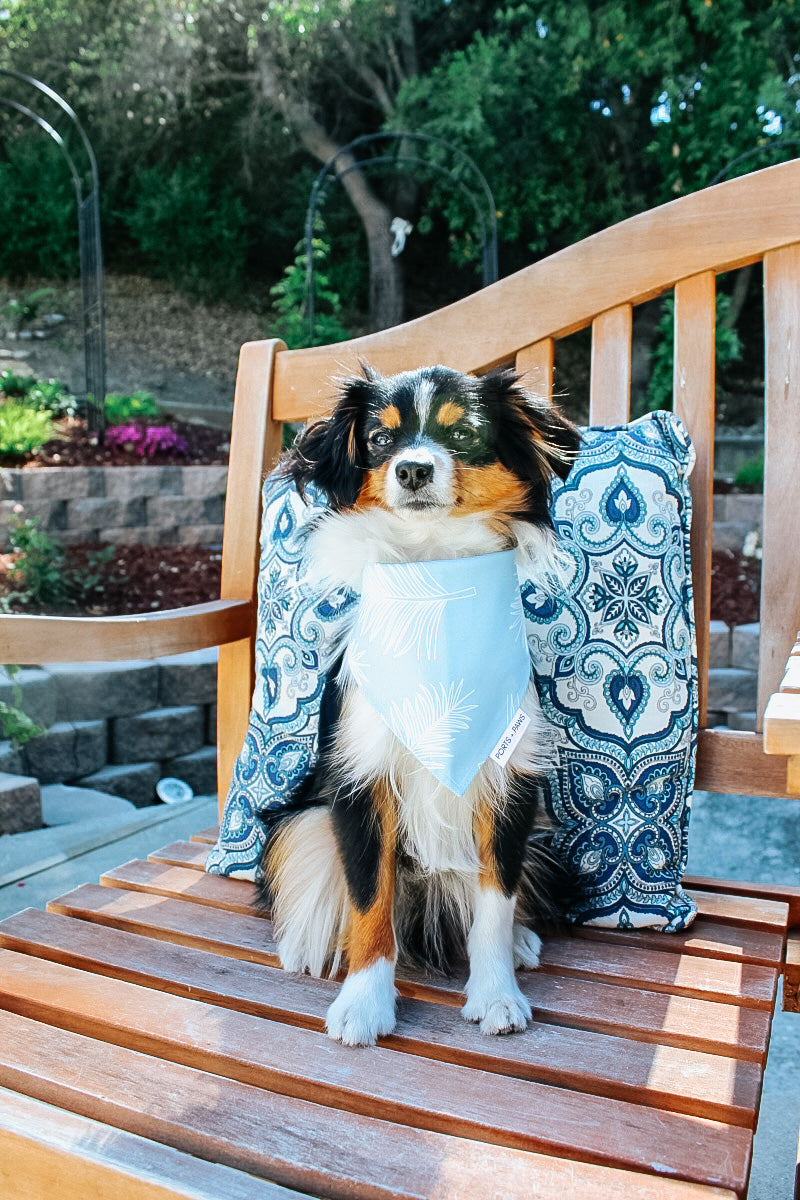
<point>733,675</point>
<point>149,506</point>
<point>114,727</point>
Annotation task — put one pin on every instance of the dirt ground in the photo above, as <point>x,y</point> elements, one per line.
<point>156,340</point>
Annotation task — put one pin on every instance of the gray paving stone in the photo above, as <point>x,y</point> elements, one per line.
<point>20,803</point>
<point>744,721</point>
<point>38,699</point>
<point>143,481</point>
<point>135,782</point>
<point>719,645</point>
<point>68,750</point>
<point>101,512</point>
<point>184,510</point>
<point>731,690</point>
<point>191,676</point>
<point>55,483</point>
<point>211,724</point>
<point>89,691</point>
<point>199,535</point>
<point>161,733</point>
<point>139,535</point>
<point>730,535</point>
<point>205,481</point>
<point>744,651</point>
<point>12,759</point>
<point>198,769</point>
<point>63,804</point>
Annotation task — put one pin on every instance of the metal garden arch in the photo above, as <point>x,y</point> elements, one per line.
<point>87,194</point>
<point>486,218</point>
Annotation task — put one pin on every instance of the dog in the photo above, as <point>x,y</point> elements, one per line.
<point>373,857</point>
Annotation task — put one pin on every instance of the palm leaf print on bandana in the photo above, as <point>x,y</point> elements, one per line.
<point>407,610</point>
<point>427,722</point>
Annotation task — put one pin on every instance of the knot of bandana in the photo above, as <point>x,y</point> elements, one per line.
<point>439,651</point>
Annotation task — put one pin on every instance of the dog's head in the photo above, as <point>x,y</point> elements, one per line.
<point>433,441</point>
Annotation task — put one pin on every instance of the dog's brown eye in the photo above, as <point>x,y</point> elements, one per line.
<point>380,438</point>
<point>463,435</point>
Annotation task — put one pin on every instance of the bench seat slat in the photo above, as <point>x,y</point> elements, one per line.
<point>45,1151</point>
<point>243,935</point>
<point>403,1088</point>
<point>576,1002</point>
<point>297,1143</point>
<point>713,939</point>
<point>663,1076</point>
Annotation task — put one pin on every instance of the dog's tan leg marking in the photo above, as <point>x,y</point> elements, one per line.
<point>365,1006</point>
<point>371,932</point>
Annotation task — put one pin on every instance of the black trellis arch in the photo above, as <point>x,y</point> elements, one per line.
<point>479,196</point>
<point>87,193</point>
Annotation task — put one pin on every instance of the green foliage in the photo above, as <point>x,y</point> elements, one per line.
<point>289,297</point>
<point>38,213</point>
<point>42,575</point>
<point>23,429</point>
<point>659,392</point>
<point>122,409</point>
<point>38,571</point>
<point>750,476</point>
<point>22,310</point>
<point>191,230</point>
<point>44,395</point>
<point>16,725</point>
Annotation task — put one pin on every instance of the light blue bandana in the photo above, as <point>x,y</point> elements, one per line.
<point>439,651</point>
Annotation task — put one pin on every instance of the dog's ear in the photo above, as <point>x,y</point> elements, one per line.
<point>329,452</point>
<point>534,439</point>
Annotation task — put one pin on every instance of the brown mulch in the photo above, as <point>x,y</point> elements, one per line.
<point>74,447</point>
<point>137,579</point>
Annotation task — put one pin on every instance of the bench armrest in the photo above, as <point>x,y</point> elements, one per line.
<point>41,639</point>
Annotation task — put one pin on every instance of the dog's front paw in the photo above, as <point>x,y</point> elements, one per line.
<point>506,1011</point>
<point>365,1006</point>
<point>527,947</point>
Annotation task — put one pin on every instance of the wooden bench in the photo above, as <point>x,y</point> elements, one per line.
<point>150,1044</point>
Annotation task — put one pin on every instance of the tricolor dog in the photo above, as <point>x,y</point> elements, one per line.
<point>411,835</point>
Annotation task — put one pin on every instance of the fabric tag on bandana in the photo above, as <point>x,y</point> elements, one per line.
<point>505,747</point>
<point>439,651</point>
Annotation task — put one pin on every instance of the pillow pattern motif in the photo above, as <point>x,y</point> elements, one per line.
<point>293,630</point>
<point>613,658</point>
<point>615,664</point>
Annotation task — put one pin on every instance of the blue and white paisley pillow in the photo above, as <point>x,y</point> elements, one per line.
<point>613,657</point>
<point>615,664</point>
<point>293,630</point>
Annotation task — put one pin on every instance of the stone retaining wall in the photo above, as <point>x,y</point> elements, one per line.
<point>116,727</point>
<point>150,506</point>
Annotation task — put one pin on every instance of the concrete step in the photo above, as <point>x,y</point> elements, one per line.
<point>160,733</point>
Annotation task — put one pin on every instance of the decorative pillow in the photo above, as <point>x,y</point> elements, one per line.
<point>293,630</point>
<point>615,664</point>
<point>613,657</point>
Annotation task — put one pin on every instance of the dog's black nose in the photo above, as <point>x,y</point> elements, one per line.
<point>413,475</point>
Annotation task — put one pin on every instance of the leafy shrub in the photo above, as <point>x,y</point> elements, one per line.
<point>16,386</point>
<point>37,211</point>
<point>16,725</point>
<point>290,296</point>
<point>750,476</point>
<point>192,232</point>
<point>43,576</point>
<point>22,310</point>
<point>45,395</point>
<point>728,349</point>
<point>122,410</point>
<point>23,429</point>
<point>147,440</point>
